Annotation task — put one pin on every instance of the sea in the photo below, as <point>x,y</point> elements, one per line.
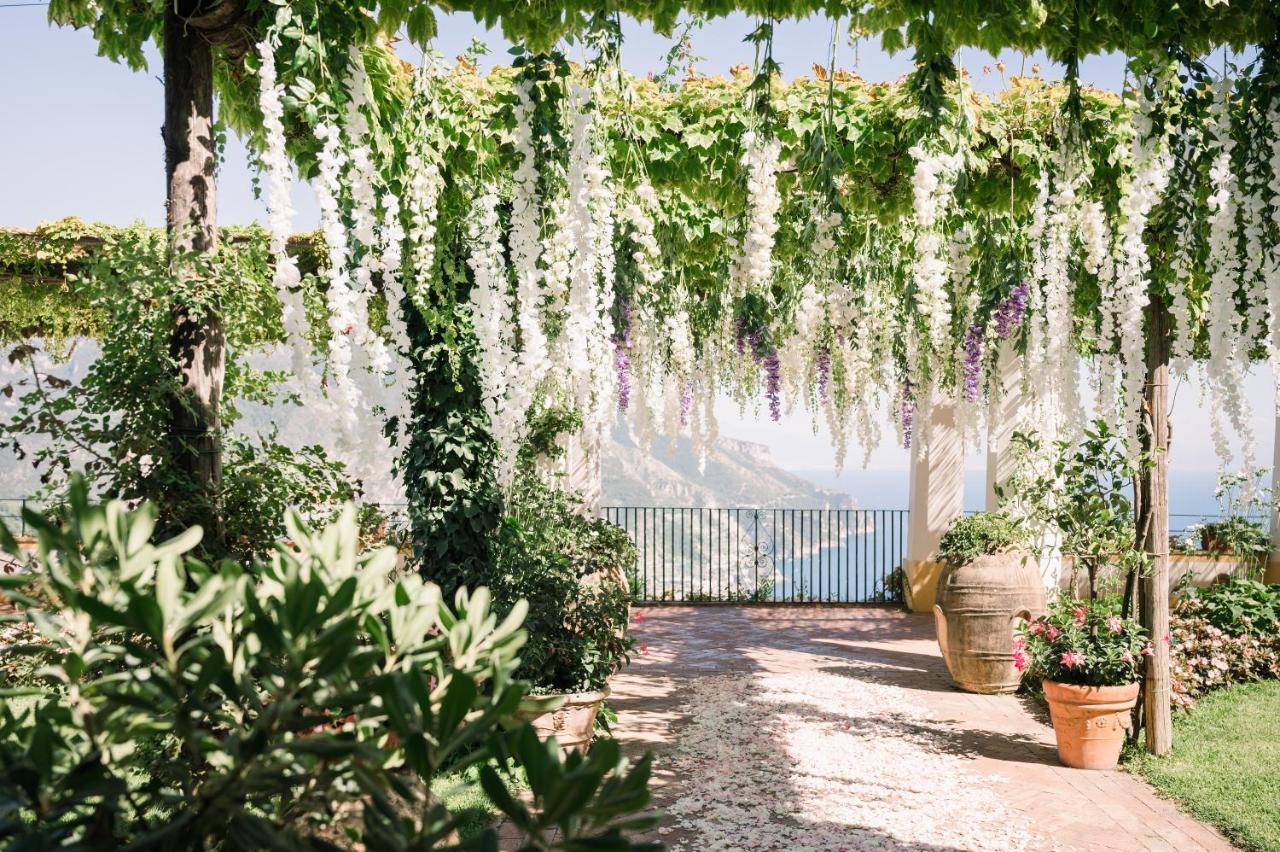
<point>812,554</point>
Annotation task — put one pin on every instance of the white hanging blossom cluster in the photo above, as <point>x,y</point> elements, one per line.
<point>1185,147</point>
<point>525,244</point>
<point>285,275</point>
<point>1058,394</point>
<point>1225,369</point>
<point>643,339</point>
<point>331,161</point>
<point>1149,178</point>
<point>753,268</point>
<point>491,312</point>
<point>932,188</point>
<point>360,220</point>
<point>584,235</point>
<point>425,185</point>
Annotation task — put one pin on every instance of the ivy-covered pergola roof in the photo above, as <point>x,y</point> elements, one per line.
<point>1065,29</point>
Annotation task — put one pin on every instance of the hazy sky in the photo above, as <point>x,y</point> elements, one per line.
<point>81,136</point>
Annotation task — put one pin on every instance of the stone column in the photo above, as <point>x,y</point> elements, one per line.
<point>1004,417</point>
<point>1007,413</point>
<point>936,497</point>
<point>581,471</point>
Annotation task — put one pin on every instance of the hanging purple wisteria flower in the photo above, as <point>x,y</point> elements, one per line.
<point>908,414</point>
<point>622,366</point>
<point>622,359</point>
<point>824,373</point>
<point>1010,313</point>
<point>773,386</point>
<point>686,403</point>
<point>753,340</point>
<point>973,362</point>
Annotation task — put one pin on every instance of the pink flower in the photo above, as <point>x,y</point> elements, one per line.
<point>1148,650</point>
<point>644,649</point>
<point>1054,633</point>
<point>1166,639</point>
<point>639,618</point>
<point>1079,614</point>
<point>1071,659</point>
<point>1019,644</point>
<point>1115,624</point>
<point>1037,627</point>
<point>1127,657</point>
<point>1020,660</point>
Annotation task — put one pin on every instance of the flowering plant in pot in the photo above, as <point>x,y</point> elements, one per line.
<point>1089,658</point>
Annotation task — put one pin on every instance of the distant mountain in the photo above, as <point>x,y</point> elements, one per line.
<point>738,474</point>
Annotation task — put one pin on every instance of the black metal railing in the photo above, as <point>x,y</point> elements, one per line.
<point>764,555</point>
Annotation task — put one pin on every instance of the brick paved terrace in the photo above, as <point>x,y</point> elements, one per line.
<point>838,728</point>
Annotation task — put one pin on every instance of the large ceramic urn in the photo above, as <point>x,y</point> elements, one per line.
<point>980,603</point>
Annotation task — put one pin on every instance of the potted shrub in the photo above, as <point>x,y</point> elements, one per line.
<point>1089,660</point>
<point>571,570</point>
<point>989,583</point>
<point>1082,491</point>
<point>1242,497</point>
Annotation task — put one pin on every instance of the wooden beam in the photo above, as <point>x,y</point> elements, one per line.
<point>1154,488</point>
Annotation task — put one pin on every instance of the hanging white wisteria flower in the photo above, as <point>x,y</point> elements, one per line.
<point>584,244</point>
<point>753,268</point>
<point>641,340</point>
<point>1058,392</point>
<point>285,276</point>
<point>331,161</point>
<point>932,186</point>
<point>491,311</point>
<point>1225,369</point>
<point>525,243</point>
<point>425,185</point>
<point>1149,177</point>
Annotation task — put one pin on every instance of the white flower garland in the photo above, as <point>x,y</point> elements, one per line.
<point>525,245</point>
<point>585,227</point>
<point>1225,369</point>
<point>491,309</point>
<point>932,188</point>
<point>1183,340</point>
<point>754,266</point>
<point>1146,186</point>
<point>425,185</point>
<point>1059,392</point>
<point>646,342</point>
<point>347,398</point>
<point>285,276</point>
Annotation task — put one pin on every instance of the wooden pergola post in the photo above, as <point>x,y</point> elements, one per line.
<point>1154,492</point>
<point>192,29</point>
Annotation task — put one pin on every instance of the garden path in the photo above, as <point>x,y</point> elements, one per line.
<point>838,728</point>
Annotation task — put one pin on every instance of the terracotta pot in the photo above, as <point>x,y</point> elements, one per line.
<point>979,605</point>
<point>1090,722</point>
<point>573,723</point>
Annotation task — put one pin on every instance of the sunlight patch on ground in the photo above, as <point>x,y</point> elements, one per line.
<point>814,760</point>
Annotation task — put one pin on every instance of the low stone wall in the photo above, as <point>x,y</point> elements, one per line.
<point>1204,569</point>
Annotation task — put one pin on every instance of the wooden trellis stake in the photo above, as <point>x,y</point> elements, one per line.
<point>1154,486</point>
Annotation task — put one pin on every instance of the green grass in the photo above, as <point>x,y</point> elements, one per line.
<point>460,792</point>
<point>1225,764</point>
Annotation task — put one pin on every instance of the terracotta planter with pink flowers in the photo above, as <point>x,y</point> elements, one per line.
<point>1090,722</point>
